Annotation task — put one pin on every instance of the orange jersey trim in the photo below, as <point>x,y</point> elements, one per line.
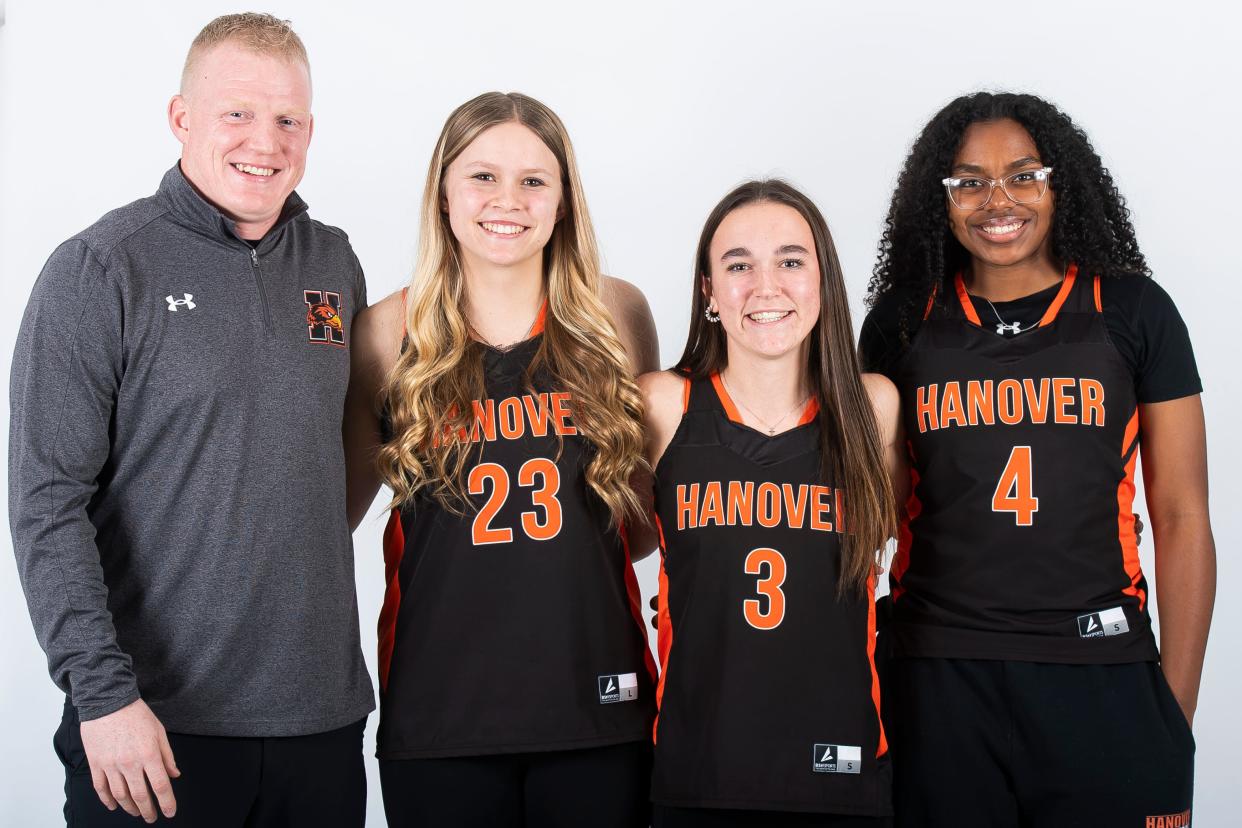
<point>882,748</point>
<point>931,301</point>
<point>394,550</point>
<point>1099,304</point>
<point>726,400</point>
<point>810,412</point>
<point>967,306</point>
<point>1050,315</point>
<point>664,627</point>
<point>685,397</point>
<point>536,328</point>
<point>1067,284</point>
<point>634,594</point>
<point>905,538</point>
<point>1125,515</point>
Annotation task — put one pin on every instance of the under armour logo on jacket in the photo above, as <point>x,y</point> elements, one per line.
<point>187,302</point>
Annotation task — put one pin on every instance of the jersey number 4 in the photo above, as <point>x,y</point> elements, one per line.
<point>1013,490</point>
<point>538,471</point>
<point>770,566</point>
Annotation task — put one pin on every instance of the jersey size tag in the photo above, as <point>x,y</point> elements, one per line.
<point>1104,623</point>
<point>618,687</point>
<point>836,758</point>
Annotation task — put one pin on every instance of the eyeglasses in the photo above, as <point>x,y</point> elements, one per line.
<point>1022,187</point>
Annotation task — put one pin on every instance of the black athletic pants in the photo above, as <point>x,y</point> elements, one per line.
<point>669,817</point>
<point>1012,744</point>
<point>605,787</point>
<point>236,782</point>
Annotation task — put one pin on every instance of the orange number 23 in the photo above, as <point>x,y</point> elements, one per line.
<point>537,472</point>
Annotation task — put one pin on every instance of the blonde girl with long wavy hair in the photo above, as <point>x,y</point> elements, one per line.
<point>495,397</point>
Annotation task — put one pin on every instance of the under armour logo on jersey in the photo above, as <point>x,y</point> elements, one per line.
<point>187,302</point>
<point>1101,624</point>
<point>618,687</point>
<point>836,758</point>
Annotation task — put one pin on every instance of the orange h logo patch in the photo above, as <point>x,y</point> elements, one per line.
<point>323,317</point>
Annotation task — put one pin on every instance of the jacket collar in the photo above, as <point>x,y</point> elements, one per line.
<point>204,216</point>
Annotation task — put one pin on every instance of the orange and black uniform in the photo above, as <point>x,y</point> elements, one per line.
<point>768,698</point>
<point>1024,667</point>
<point>510,633</point>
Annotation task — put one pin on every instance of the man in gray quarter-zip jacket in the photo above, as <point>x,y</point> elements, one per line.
<point>177,479</point>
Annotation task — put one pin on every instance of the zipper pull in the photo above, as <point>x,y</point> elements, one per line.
<point>254,257</point>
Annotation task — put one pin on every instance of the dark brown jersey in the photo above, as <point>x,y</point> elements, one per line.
<point>514,626</point>
<point>1019,542</point>
<point>768,694</point>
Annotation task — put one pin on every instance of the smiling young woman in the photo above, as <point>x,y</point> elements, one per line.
<point>1033,354</point>
<point>760,436</point>
<point>496,398</point>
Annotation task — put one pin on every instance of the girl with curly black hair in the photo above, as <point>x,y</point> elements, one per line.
<point>1014,311</point>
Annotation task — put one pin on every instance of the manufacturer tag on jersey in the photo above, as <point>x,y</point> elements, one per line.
<point>836,759</point>
<point>618,688</point>
<point>1104,623</point>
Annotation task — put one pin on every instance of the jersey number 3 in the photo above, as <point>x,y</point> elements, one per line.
<point>537,470</point>
<point>1013,490</point>
<point>766,614</point>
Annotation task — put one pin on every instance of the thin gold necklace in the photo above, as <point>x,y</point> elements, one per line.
<point>770,428</point>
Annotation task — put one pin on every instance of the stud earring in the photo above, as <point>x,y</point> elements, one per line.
<point>711,317</point>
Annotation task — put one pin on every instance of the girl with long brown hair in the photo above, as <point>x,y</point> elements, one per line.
<point>495,397</point>
<point>772,460</point>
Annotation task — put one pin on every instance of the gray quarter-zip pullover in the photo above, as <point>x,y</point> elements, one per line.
<point>176,473</point>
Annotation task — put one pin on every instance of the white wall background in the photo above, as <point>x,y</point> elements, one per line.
<point>669,105</point>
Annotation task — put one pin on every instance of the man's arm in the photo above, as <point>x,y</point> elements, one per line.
<point>67,369</point>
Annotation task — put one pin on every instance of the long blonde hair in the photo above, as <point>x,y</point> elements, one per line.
<point>431,390</point>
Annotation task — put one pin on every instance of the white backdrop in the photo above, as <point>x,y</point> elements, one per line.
<point>669,105</point>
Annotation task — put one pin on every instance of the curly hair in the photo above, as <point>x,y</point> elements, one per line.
<point>918,252</point>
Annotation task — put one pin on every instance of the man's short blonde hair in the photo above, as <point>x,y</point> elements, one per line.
<point>256,31</point>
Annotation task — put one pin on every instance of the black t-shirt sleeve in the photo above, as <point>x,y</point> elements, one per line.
<point>879,342</point>
<point>1148,331</point>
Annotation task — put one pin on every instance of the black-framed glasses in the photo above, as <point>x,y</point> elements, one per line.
<point>973,192</point>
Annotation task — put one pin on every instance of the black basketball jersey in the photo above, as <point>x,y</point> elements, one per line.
<point>515,626</point>
<point>768,697</point>
<point>1019,542</point>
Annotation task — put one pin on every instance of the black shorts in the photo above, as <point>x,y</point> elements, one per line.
<point>606,787</point>
<point>1002,744</point>
<point>237,782</point>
